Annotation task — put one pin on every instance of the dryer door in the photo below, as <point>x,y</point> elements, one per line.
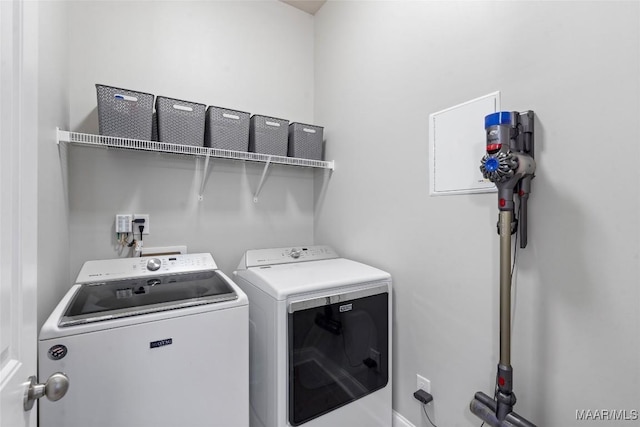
<point>338,351</point>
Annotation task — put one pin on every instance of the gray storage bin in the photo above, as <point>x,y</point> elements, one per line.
<point>268,135</point>
<point>305,141</point>
<point>226,129</point>
<point>124,113</point>
<point>180,122</point>
<point>154,127</point>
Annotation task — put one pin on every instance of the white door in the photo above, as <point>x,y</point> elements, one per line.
<point>18,208</point>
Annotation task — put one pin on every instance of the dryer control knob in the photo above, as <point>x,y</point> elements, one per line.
<point>295,253</point>
<point>154,264</point>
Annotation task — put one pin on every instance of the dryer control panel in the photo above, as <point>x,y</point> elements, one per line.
<point>124,268</point>
<point>264,257</point>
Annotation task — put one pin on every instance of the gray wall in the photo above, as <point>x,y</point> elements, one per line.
<point>53,111</point>
<point>381,68</point>
<point>252,56</point>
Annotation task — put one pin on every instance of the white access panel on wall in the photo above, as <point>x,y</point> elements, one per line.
<point>456,145</point>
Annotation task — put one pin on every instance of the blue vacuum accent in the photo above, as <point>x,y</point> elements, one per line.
<point>492,164</point>
<point>499,118</point>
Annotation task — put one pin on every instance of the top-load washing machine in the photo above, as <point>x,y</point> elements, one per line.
<point>320,339</point>
<point>149,342</point>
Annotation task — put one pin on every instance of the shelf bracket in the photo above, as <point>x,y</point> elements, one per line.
<point>204,176</point>
<point>62,135</point>
<point>264,175</point>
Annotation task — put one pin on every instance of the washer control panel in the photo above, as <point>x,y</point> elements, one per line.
<point>124,268</point>
<point>154,264</point>
<point>264,257</point>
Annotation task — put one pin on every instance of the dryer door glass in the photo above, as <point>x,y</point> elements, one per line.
<point>338,351</point>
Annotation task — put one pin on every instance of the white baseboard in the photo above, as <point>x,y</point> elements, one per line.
<point>400,421</point>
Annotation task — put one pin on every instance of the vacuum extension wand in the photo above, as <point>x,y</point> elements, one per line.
<point>510,165</point>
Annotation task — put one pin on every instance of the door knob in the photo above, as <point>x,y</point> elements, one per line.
<point>55,388</point>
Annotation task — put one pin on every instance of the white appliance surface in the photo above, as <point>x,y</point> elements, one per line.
<point>180,367</point>
<point>276,278</point>
<point>266,257</point>
<point>122,268</point>
<point>283,280</point>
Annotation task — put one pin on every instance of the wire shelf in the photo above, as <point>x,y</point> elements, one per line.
<point>189,150</point>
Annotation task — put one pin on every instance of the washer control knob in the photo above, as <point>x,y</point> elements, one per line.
<point>154,264</point>
<point>295,253</point>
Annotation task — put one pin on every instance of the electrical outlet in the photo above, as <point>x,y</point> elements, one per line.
<point>423,384</point>
<point>147,228</point>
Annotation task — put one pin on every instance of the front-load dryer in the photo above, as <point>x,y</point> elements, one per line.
<point>320,339</point>
<point>149,342</point>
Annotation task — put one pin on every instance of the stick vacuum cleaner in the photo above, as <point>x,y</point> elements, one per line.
<point>509,164</point>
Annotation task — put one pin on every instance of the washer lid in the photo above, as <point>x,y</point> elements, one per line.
<point>95,302</point>
<point>284,280</point>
